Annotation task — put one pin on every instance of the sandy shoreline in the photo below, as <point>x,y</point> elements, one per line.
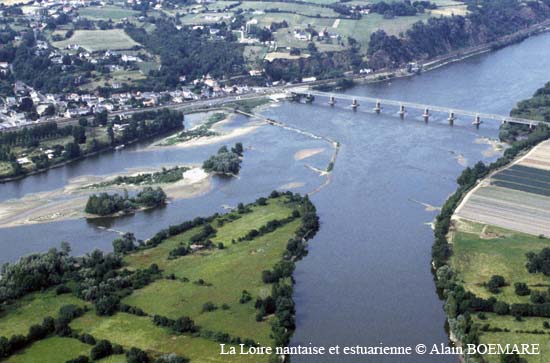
<point>68,203</point>
<point>218,128</point>
<point>307,153</point>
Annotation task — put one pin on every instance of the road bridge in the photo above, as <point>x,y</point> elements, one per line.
<point>378,104</point>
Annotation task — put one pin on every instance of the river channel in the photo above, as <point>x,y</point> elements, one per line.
<point>367,279</point>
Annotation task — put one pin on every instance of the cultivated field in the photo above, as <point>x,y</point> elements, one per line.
<point>516,198</point>
<point>96,40</point>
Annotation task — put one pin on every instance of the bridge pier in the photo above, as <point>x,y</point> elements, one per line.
<point>378,107</point>
<point>332,101</point>
<point>402,111</point>
<point>477,121</point>
<point>426,115</point>
<point>354,104</point>
<point>451,118</point>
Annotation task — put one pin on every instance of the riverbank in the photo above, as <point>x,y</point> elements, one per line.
<point>467,254</point>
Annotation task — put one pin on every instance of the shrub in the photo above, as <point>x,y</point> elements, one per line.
<point>103,349</point>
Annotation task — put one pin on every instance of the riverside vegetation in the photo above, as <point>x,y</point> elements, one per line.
<point>164,176</point>
<point>105,204</point>
<point>48,145</point>
<point>494,280</point>
<point>225,162</point>
<point>173,298</point>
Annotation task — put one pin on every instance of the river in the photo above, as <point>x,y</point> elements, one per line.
<point>367,279</point>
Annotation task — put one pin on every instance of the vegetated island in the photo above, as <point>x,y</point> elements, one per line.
<point>165,176</point>
<point>203,130</point>
<point>224,279</point>
<point>105,204</point>
<point>495,280</point>
<point>225,162</point>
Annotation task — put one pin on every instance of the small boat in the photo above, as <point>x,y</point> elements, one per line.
<point>119,147</point>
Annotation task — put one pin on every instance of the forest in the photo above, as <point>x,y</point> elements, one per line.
<point>226,162</point>
<point>487,21</point>
<point>104,204</point>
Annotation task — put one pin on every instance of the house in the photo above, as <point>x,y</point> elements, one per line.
<point>76,112</point>
<point>130,58</point>
<point>301,35</point>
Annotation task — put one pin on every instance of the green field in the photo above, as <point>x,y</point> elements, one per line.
<point>97,40</point>
<point>230,271</point>
<point>106,13</point>
<point>5,168</point>
<point>514,336</point>
<point>301,9</point>
<point>52,350</point>
<point>32,309</point>
<point>480,252</point>
<point>134,331</point>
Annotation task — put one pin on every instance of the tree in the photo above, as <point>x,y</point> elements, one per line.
<point>103,349</point>
<point>26,105</point>
<point>135,355</point>
<point>125,244</point>
<point>521,289</point>
<point>501,308</point>
<point>495,283</point>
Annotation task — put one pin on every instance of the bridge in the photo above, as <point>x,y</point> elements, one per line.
<point>378,104</point>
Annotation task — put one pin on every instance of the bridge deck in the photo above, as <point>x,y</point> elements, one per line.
<point>422,107</point>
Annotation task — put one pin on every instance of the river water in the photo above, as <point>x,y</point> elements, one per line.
<point>367,279</point>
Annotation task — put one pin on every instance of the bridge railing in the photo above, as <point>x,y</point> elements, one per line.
<point>418,106</point>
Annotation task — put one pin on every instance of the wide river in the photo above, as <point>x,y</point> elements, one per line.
<point>367,279</point>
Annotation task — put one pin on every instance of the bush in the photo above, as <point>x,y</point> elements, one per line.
<point>135,355</point>
<point>501,308</point>
<point>103,349</point>
<point>208,306</point>
<point>495,283</point>
<point>521,289</point>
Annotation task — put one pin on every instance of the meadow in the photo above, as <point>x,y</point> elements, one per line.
<point>216,275</point>
<point>106,13</point>
<point>97,40</point>
<point>481,251</point>
<point>32,309</point>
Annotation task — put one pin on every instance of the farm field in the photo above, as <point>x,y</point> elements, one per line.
<point>52,350</point>
<point>481,251</point>
<point>517,197</point>
<point>301,9</point>
<point>106,13</point>
<point>96,40</point>
<point>32,309</point>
